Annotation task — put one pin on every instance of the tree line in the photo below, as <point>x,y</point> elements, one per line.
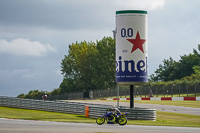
<point>172,70</point>
<point>91,66</point>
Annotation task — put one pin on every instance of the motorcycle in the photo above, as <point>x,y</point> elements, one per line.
<point>112,118</point>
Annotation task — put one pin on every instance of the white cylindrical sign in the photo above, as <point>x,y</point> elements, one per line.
<point>131,47</point>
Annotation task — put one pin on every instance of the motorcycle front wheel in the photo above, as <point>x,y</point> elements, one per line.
<point>122,121</point>
<point>100,120</point>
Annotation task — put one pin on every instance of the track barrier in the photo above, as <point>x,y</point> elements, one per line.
<point>89,110</point>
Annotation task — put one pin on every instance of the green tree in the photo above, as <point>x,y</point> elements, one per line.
<point>21,95</point>
<point>106,63</point>
<point>197,70</point>
<point>78,67</point>
<point>186,65</point>
<point>172,70</point>
<point>33,94</point>
<point>55,91</point>
<point>89,66</point>
<point>165,72</point>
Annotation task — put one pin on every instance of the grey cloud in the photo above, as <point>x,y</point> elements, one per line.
<point>57,14</point>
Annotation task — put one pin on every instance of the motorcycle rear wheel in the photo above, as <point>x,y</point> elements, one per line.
<point>122,121</point>
<point>100,120</point>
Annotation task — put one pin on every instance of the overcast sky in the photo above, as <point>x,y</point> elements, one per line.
<point>35,34</point>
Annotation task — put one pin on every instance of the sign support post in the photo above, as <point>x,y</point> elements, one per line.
<point>117,96</point>
<point>131,96</point>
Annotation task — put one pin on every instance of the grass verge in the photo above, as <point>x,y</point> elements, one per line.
<point>193,104</point>
<point>163,118</point>
<point>15,113</point>
<point>171,119</point>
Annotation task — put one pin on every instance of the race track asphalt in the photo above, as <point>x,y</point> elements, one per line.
<point>164,108</point>
<point>29,126</point>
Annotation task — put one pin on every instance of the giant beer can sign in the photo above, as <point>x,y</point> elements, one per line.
<point>131,47</point>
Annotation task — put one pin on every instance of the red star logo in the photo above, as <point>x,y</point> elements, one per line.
<point>137,43</point>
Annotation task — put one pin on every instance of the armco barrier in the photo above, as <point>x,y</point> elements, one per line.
<point>133,114</point>
<point>95,110</point>
<point>140,113</point>
<point>64,107</point>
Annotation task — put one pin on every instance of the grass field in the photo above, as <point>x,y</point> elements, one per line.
<point>171,119</point>
<point>163,118</point>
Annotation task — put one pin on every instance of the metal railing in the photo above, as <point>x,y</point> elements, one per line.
<point>95,110</point>
<point>133,114</point>
<point>181,90</point>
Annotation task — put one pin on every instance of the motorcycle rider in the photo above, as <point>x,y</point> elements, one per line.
<point>44,96</point>
<point>115,111</point>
